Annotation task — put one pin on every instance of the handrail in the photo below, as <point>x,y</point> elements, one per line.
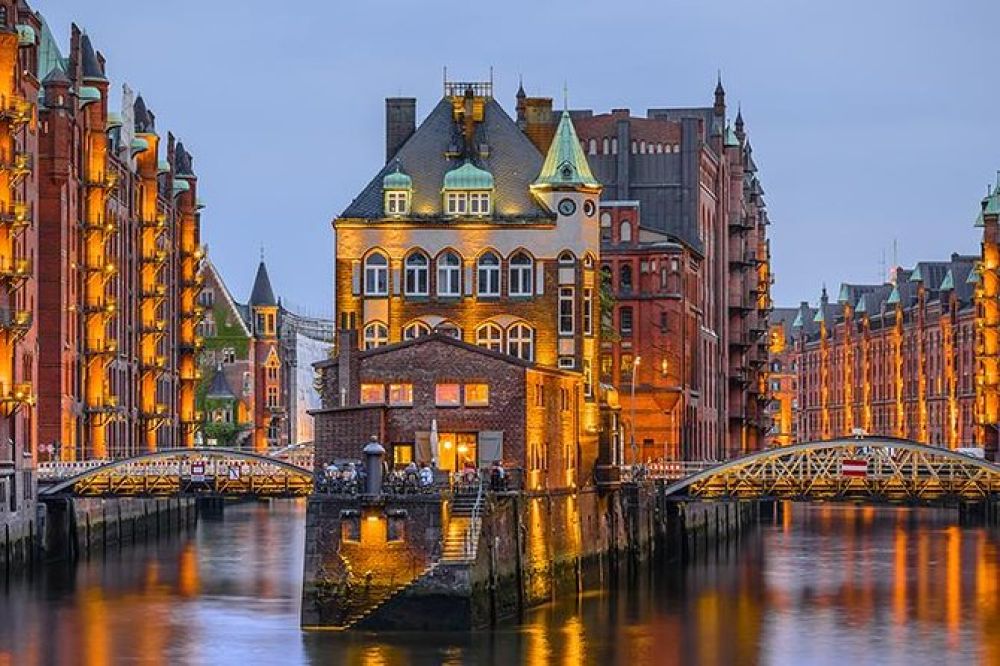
<point>469,546</point>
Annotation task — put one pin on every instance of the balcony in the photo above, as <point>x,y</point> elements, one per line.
<point>15,109</point>
<point>13,396</point>
<point>156,291</point>
<point>159,223</point>
<point>154,327</point>
<point>104,305</point>
<point>15,323</point>
<point>102,348</point>
<point>158,412</point>
<point>197,418</point>
<point>16,271</point>
<point>103,181</point>
<point>15,216</point>
<point>103,405</point>
<point>154,364</point>
<point>197,281</point>
<point>101,265</point>
<point>100,224</point>
<point>17,163</point>
<point>154,257</point>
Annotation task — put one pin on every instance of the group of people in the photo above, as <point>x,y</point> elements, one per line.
<point>351,476</point>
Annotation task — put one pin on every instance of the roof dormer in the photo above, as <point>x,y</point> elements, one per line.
<point>468,191</point>
<point>397,190</point>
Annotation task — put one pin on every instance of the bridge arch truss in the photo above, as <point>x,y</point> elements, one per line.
<point>873,469</point>
<point>194,471</point>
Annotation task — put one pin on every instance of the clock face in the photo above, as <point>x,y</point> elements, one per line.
<point>589,208</point>
<point>567,207</point>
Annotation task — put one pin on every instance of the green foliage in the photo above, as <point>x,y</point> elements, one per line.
<point>606,302</point>
<point>224,434</point>
<point>228,334</point>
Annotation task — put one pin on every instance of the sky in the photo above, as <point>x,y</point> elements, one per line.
<point>872,123</point>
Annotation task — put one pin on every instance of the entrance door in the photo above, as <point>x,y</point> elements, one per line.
<point>455,448</point>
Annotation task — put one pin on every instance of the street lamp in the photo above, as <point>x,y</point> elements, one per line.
<point>635,368</point>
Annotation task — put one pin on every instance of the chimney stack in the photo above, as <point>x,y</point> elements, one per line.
<point>400,123</point>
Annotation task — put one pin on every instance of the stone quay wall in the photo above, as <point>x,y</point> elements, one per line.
<point>532,547</point>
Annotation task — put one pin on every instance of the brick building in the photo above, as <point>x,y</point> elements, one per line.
<point>118,266</point>
<point>252,393</point>
<point>987,341</point>
<point>473,232</point>
<point>782,375</point>
<point>693,180</point>
<point>895,359</point>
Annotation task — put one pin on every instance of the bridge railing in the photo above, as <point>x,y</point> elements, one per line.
<point>668,470</point>
<point>59,469</point>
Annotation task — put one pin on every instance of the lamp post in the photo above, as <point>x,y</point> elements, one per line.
<point>635,369</point>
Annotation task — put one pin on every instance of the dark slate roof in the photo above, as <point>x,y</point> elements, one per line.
<point>57,75</point>
<point>262,294</point>
<point>143,119</point>
<point>785,317</point>
<point>91,66</point>
<point>219,388</point>
<point>182,161</point>
<point>851,293</point>
<point>512,159</point>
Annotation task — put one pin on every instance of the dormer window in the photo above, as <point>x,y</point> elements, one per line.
<point>397,188</point>
<point>468,191</point>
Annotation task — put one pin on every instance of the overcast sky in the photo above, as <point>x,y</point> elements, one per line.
<point>871,121</point>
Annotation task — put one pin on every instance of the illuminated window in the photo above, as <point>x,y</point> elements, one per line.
<point>376,275</point>
<point>449,275</point>
<point>607,366</point>
<point>520,341</point>
<point>520,275</point>
<point>415,278</point>
<point>490,336</point>
<point>566,314</point>
<point>488,275</point>
<point>372,394</point>
<point>477,395</point>
<point>376,335</point>
<point>479,203</point>
<point>588,379</point>
<point>588,311</point>
<point>625,367</point>
<point>397,202</point>
<point>415,330</point>
<point>448,395</point>
<point>400,394</point>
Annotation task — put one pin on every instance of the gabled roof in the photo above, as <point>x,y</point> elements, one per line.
<point>241,312</point>
<point>262,293</point>
<point>565,164</point>
<point>219,388</point>
<point>91,66</point>
<point>501,147</point>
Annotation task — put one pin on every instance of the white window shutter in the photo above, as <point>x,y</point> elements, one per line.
<point>490,447</point>
<point>356,278</point>
<point>395,281</point>
<point>539,278</point>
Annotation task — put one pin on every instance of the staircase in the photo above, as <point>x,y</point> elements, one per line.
<point>375,601</point>
<point>461,538</point>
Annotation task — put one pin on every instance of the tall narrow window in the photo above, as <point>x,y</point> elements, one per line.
<point>376,275</point>
<point>588,311</point>
<point>415,281</point>
<point>592,147</point>
<point>566,314</point>
<point>520,275</point>
<point>490,336</point>
<point>488,275</point>
<point>625,321</point>
<point>376,335</point>
<point>449,275</point>
<point>588,378</point>
<point>520,341</point>
<point>625,278</point>
<point>625,232</point>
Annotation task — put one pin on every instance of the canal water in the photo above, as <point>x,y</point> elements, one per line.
<point>823,585</point>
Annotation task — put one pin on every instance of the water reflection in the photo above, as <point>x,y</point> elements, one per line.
<point>824,584</point>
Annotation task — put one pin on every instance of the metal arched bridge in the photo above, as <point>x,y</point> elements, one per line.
<point>195,471</point>
<point>877,469</point>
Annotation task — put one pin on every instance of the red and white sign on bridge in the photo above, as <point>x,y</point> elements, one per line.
<point>854,468</point>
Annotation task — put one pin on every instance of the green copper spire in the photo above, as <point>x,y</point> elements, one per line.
<point>798,320</point>
<point>991,202</point>
<point>820,317</point>
<point>915,276</point>
<point>862,305</point>
<point>948,282</point>
<point>894,297</point>
<point>973,276</point>
<point>565,164</point>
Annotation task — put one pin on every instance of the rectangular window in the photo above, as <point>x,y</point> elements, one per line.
<point>477,395</point>
<point>588,311</point>
<point>402,454</point>
<point>607,367</point>
<point>448,395</point>
<point>567,362</point>
<point>566,324</point>
<point>588,379</point>
<point>272,373</point>
<point>456,203</point>
<point>625,367</point>
<point>228,355</point>
<point>372,394</point>
<point>272,396</point>
<point>395,203</point>
<point>479,203</point>
<point>400,394</point>
<point>625,321</point>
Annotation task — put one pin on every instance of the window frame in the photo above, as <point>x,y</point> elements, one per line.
<point>492,343</point>
<point>376,275</point>
<point>567,311</point>
<point>520,274</point>
<point>476,403</point>
<point>516,341</point>
<point>446,271</point>
<point>437,395</point>
<point>378,338</point>
<point>416,271</point>
<point>418,326</point>
<point>491,273</point>
<point>407,387</point>
<point>371,386</point>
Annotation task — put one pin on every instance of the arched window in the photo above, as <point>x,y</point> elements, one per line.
<point>592,147</point>
<point>520,275</point>
<point>488,275</point>
<point>376,275</point>
<point>450,329</point>
<point>659,148</point>
<point>605,149</point>
<point>3,15</point>
<point>614,146</point>
<point>521,341</point>
<point>376,335</point>
<point>415,329</point>
<point>625,277</point>
<point>635,147</point>
<point>449,275</point>
<point>490,336</point>
<point>567,259</point>
<point>642,147</point>
<point>415,280</point>
<point>625,232</point>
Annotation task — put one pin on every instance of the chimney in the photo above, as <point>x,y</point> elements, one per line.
<point>400,123</point>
